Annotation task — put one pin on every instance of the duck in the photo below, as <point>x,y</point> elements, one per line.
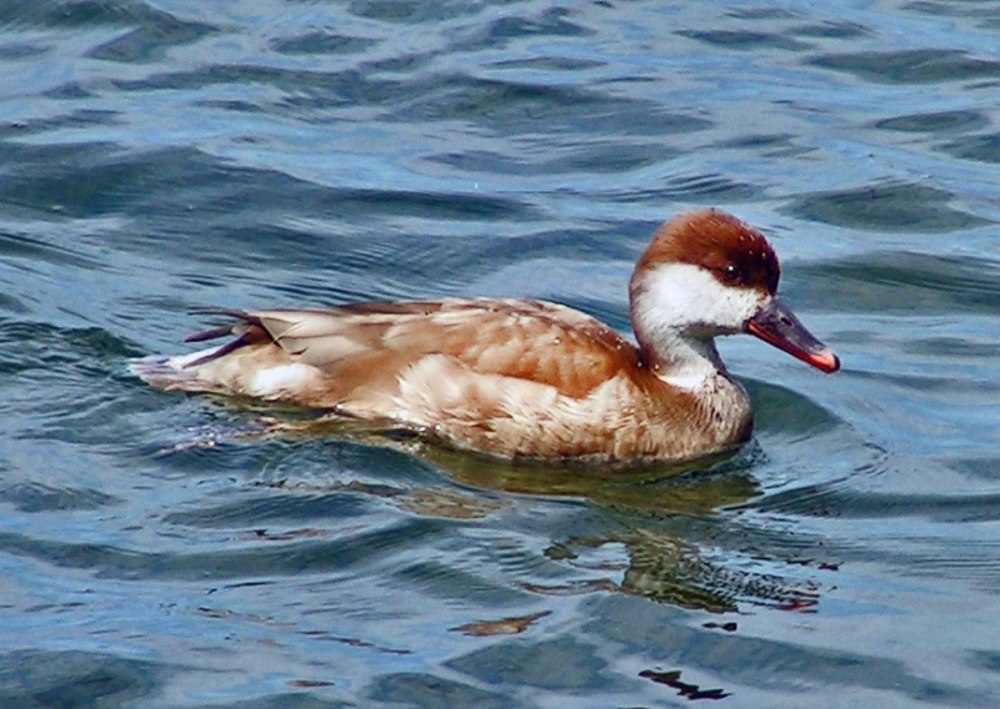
<point>527,379</point>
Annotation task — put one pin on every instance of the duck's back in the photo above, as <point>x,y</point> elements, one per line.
<point>511,377</point>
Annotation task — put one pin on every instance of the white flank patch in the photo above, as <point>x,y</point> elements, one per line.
<point>182,361</point>
<point>282,379</point>
<point>435,383</point>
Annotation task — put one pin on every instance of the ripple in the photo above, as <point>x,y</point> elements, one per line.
<point>318,42</point>
<point>427,688</point>
<point>39,678</point>
<point>411,13</point>
<point>39,497</point>
<point>597,156</point>
<point>498,33</point>
<point>55,186</point>
<point>695,187</point>
<point>306,554</point>
<point>834,29</point>
<point>510,107</point>
<point>67,385</point>
<point>307,94</point>
<point>745,40</point>
<point>886,206</point>
<point>161,155</point>
<point>935,122</point>
<point>912,66</point>
<point>841,501</point>
<point>982,148</point>
<point>263,512</point>
<point>13,51</point>
<point>986,16</point>
<point>560,663</point>
<point>74,119</point>
<point>87,14</point>
<point>783,669</point>
<point>906,282</point>
<point>33,250</point>
<point>156,33</point>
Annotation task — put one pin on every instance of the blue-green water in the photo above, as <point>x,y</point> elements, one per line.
<point>161,156</point>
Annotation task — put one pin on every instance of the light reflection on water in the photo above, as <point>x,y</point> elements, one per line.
<point>161,549</point>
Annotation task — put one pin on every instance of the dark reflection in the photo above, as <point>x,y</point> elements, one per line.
<point>74,678</point>
<point>512,625</point>
<point>420,689</point>
<point>983,148</point>
<point>509,107</point>
<point>936,122</point>
<point>911,66</point>
<point>788,413</point>
<point>899,281</point>
<point>150,41</point>
<point>692,488</point>
<point>672,678</point>
<point>742,39</point>
<point>987,13</point>
<point>652,518</point>
<point>833,29</point>
<point>654,488</point>
<point>317,42</point>
<point>563,663</point>
<point>780,666</point>
<point>668,569</point>
<point>710,187</point>
<point>886,206</point>
<point>504,31</point>
<point>40,497</point>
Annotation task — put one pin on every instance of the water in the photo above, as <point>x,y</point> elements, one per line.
<point>158,157</point>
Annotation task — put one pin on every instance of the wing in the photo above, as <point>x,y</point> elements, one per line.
<point>529,340</point>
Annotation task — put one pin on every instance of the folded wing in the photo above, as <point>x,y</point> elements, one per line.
<point>327,357</point>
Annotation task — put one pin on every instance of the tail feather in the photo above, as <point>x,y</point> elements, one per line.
<point>213,334</point>
<point>216,352</point>
<point>179,372</point>
<point>161,372</point>
<point>263,365</point>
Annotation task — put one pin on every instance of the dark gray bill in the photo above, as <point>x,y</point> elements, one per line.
<point>777,325</point>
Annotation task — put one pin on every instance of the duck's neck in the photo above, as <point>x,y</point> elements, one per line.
<point>683,361</point>
<point>677,343</point>
<point>677,309</point>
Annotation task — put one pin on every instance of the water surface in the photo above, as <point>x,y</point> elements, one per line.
<point>158,157</point>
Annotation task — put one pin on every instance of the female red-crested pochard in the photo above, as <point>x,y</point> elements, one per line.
<point>528,378</point>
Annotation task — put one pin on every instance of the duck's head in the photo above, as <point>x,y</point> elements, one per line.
<point>706,273</point>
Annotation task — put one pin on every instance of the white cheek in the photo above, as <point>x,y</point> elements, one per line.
<point>688,296</point>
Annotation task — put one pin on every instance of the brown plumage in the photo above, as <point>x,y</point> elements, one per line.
<point>514,378</point>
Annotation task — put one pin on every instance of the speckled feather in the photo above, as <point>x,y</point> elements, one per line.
<point>516,378</point>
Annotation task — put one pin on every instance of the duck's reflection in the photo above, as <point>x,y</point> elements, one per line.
<point>642,549</point>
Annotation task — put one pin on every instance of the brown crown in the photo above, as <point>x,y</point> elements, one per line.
<point>736,254</point>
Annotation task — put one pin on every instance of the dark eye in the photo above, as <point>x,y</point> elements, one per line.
<point>732,274</point>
